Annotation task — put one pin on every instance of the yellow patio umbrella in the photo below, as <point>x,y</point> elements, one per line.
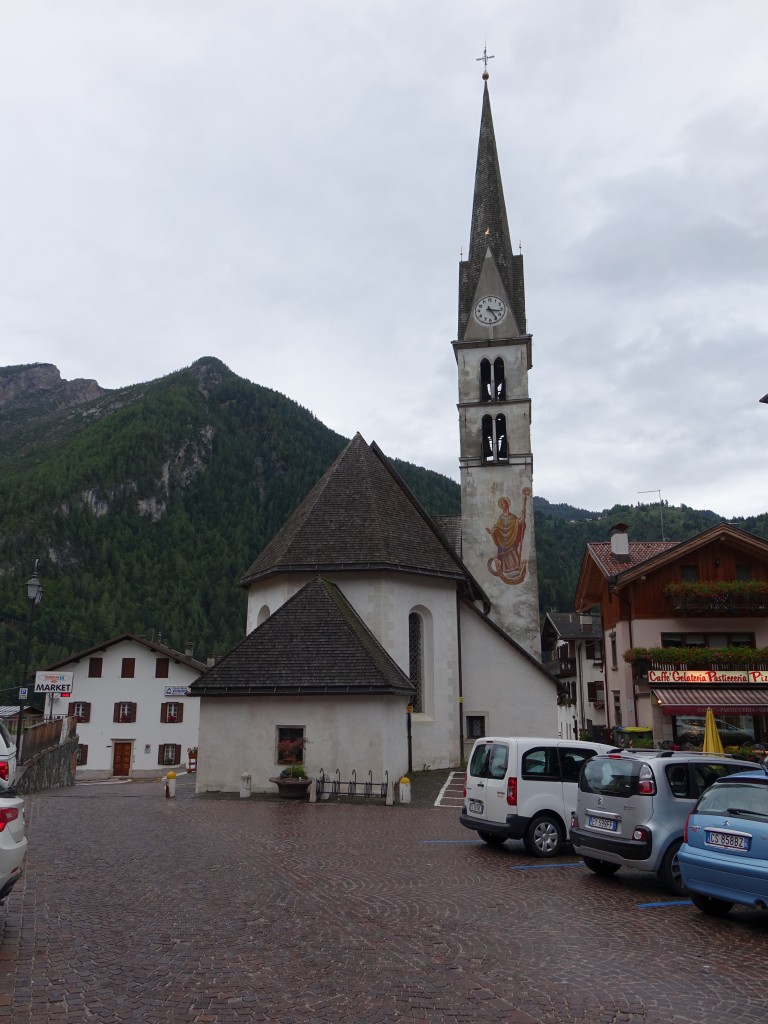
<point>712,742</point>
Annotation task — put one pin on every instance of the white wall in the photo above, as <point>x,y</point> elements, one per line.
<point>502,684</point>
<point>148,693</point>
<point>238,735</point>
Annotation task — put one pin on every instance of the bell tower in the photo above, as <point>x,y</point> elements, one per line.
<point>493,356</point>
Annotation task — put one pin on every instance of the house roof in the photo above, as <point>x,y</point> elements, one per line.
<point>314,644</point>
<point>182,659</point>
<point>569,625</point>
<point>600,564</point>
<point>361,515</point>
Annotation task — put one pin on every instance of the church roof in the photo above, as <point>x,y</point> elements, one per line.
<point>360,515</point>
<point>314,644</point>
<point>490,229</point>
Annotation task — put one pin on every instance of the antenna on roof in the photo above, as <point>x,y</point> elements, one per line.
<point>661,507</point>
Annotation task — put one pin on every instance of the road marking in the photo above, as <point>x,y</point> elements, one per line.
<point>451,842</point>
<point>538,867</point>
<point>664,903</point>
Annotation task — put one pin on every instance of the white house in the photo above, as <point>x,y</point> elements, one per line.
<point>135,714</point>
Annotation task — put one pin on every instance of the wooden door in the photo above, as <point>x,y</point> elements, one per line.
<point>121,759</point>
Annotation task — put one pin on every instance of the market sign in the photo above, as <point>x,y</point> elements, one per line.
<point>707,675</point>
<point>57,683</point>
<point>176,691</point>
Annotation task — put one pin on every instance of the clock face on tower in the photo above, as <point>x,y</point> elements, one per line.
<point>490,310</point>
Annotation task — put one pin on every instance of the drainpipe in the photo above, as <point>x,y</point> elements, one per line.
<point>461,680</point>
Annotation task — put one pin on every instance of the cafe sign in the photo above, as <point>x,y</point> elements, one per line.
<point>706,675</point>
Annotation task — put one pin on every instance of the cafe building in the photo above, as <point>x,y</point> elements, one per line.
<point>685,628</point>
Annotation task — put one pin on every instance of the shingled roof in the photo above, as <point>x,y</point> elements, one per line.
<point>361,515</point>
<point>314,644</point>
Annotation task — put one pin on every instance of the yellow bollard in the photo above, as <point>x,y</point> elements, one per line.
<point>170,784</point>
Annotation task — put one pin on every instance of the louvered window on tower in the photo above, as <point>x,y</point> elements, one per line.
<point>501,437</point>
<point>416,658</point>
<point>499,383</point>
<point>486,385</point>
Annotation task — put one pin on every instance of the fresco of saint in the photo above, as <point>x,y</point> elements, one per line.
<point>508,532</point>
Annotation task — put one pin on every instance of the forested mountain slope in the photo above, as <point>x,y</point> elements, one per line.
<point>144,506</point>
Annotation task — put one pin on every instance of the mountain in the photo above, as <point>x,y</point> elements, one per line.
<point>144,505</point>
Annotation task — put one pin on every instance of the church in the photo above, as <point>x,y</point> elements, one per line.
<point>379,639</point>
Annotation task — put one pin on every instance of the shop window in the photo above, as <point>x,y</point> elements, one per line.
<point>713,640</point>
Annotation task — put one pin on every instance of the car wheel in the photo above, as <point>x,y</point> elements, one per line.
<point>600,867</point>
<point>544,837</point>
<point>710,905</point>
<point>669,873</point>
<point>491,839</point>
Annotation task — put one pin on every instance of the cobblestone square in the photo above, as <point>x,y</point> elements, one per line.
<point>140,908</point>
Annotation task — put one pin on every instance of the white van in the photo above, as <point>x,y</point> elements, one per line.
<point>523,787</point>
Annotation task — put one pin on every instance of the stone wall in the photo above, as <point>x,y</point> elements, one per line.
<point>52,769</point>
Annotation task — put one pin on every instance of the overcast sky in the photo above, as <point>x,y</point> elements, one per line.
<point>288,187</point>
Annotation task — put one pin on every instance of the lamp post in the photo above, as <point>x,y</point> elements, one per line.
<point>34,595</point>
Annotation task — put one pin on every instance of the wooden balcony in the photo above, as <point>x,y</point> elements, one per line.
<point>561,668</point>
<point>736,599</point>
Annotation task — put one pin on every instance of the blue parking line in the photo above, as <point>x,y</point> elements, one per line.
<point>537,867</point>
<point>454,842</point>
<point>664,903</point>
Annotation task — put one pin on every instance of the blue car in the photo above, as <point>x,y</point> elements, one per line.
<point>724,856</point>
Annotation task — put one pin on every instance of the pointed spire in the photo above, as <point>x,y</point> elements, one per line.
<point>490,229</point>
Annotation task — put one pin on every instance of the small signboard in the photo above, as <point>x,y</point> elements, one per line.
<point>23,692</point>
<point>57,683</point>
<point>177,691</point>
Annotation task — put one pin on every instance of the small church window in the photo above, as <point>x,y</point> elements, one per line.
<point>486,387</point>
<point>499,383</point>
<point>475,727</point>
<point>416,658</point>
<point>290,744</point>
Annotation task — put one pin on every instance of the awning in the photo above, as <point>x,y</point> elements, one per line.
<point>686,700</point>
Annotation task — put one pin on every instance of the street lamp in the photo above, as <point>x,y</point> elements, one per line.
<point>34,595</point>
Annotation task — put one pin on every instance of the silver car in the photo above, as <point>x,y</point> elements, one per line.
<point>632,806</point>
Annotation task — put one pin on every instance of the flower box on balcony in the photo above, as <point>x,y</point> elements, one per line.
<point>724,597</point>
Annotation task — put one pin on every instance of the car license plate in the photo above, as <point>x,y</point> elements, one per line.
<point>608,824</point>
<point>726,840</point>
<point>475,806</point>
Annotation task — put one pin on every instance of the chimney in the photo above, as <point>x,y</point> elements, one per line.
<point>189,649</point>
<point>620,542</point>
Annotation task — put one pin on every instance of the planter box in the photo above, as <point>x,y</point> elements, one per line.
<point>292,789</point>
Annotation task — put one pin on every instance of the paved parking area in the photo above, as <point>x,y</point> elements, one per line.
<point>141,908</point>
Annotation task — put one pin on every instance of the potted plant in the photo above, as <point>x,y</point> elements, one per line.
<point>293,782</point>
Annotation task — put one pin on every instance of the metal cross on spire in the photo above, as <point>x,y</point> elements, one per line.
<point>485,58</point>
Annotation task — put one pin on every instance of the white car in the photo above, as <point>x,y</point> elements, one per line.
<point>7,759</point>
<point>13,842</point>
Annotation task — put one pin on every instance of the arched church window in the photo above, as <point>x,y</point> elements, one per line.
<point>499,383</point>
<point>486,387</point>
<point>501,437</point>
<point>488,446</point>
<point>263,614</point>
<point>416,658</point>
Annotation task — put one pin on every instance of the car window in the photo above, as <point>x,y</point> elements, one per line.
<point>610,776</point>
<point>540,763</point>
<point>571,760</point>
<point>679,780</point>
<point>704,775</point>
<point>5,736</point>
<point>489,761</point>
<point>747,795</point>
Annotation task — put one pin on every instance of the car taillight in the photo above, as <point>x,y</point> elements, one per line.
<point>641,835</point>
<point>512,792</point>
<point>3,770</point>
<point>7,814</point>
<point>465,791</point>
<point>646,783</point>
